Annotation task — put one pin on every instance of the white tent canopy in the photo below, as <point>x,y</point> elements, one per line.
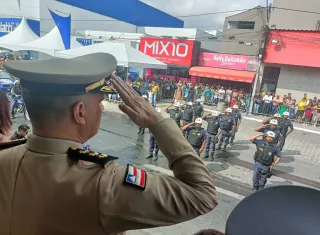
<point>125,55</point>
<point>21,35</point>
<point>49,43</point>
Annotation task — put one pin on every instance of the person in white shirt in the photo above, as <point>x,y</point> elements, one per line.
<point>267,99</point>
<point>228,96</point>
<point>221,93</point>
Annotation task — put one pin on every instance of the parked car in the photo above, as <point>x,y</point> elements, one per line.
<point>6,81</point>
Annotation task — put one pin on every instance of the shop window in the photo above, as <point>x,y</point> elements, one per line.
<point>232,24</point>
<point>318,26</point>
<point>246,24</point>
<point>241,24</point>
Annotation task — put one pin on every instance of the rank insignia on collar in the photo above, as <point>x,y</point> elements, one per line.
<point>89,156</point>
<point>12,143</point>
<point>136,177</point>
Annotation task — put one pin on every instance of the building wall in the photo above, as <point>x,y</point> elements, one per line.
<point>284,19</point>
<point>225,44</point>
<point>298,80</point>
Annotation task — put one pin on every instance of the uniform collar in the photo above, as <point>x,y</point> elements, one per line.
<point>49,145</point>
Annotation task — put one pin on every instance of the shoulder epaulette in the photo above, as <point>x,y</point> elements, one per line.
<point>89,156</point>
<point>12,143</point>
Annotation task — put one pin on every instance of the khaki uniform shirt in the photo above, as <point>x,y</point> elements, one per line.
<point>44,192</point>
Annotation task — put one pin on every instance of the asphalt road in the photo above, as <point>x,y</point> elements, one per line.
<point>232,172</point>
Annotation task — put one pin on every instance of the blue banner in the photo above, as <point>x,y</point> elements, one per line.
<point>64,26</point>
<point>84,41</point>
<point>7,25</point>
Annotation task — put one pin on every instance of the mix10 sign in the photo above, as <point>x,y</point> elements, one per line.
<point>7,25</point>
<point>171,51</point>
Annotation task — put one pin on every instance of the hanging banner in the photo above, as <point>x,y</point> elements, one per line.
<point>7,25</point>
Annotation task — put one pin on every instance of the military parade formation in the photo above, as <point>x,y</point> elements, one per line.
<point>221,131</point>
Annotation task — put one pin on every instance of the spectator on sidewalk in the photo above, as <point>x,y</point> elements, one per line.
<point>221,94</point>
<point>292,108</point>
<point>155,90</point>
<point>301,108</point>
<point>257,102</point>
<point>308,114</point>
<point>267,99</point>
<point>276,104</point>
<point>316,115</point>
<point>178,95</point>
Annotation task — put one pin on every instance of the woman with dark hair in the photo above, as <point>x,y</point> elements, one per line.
<point>5,118</point>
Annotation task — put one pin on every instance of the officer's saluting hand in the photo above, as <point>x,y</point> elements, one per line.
<point>52,186</point>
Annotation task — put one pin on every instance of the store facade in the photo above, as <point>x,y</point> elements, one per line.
<point>291,63</point>
<point>179,55</point>
<point>226,69</point>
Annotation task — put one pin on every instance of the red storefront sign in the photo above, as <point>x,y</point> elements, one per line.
<point>293,47</point>
<point>228,61</point>
<point>168,51</point>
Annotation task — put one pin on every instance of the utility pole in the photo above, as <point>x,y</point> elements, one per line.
<point>267,11</point>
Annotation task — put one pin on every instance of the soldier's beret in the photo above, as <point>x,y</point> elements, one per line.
<point>279,210</point>
<point>58,76</point>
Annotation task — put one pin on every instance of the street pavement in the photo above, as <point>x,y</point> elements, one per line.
<point>231,172</point>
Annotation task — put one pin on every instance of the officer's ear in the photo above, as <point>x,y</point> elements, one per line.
<point>79,113</point>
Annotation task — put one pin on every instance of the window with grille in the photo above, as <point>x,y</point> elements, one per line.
<point>318,25</point>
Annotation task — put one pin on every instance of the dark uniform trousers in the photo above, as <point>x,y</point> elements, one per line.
<point>260,175</point>
<point>224,138</point>
<point>210,143</point>
<point>153,146</point>
<point>196,149</point>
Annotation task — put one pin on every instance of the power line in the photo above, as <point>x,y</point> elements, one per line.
<point>214,13</point>
<point>296,10</point>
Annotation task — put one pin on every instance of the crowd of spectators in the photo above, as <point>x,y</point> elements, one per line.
<point>158,88</point>
<point>306,110</point>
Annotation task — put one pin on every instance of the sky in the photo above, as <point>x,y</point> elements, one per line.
<point>192,7</point>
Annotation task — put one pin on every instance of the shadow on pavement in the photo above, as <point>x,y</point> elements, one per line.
<point>287,159</point>
<point>290,152</point>
<point>280,183</point>
<point>239,147</point>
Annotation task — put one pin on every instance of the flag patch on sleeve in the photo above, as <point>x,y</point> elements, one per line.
<point>136,177</point>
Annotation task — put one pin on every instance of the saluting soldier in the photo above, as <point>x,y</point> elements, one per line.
<point>51,186</point>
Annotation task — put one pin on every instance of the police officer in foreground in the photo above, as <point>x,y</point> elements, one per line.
<point>237,118</point>
<point>227,126</point>
<point>198,109</point>
<point>196,135</point>
<point>55,187</point>
<point>153,146</point>
<point>188,116</point>
<point>212,131</point>
<point>284,128</point>
<point>175,113</point>
<point>266,158</point>
<point>273,126</point>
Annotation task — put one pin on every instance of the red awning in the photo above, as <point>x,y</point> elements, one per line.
<point>290,47</point>
<point>223,74</point>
